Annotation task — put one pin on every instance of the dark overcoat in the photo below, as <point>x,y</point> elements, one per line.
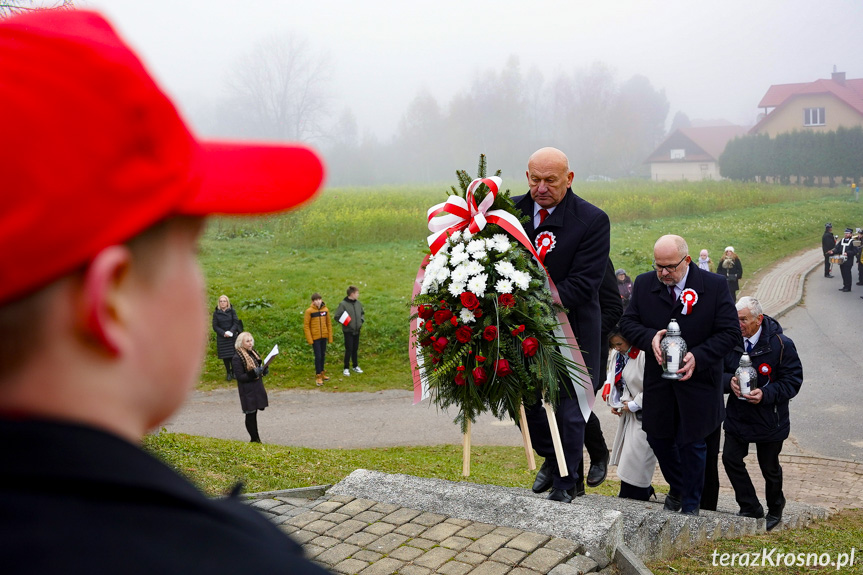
<point>225,321</point>
<point>577,265</point>
<point>253,396</point>
<point>780,375</point>
<point>733,274</point>
<point>684,410</point>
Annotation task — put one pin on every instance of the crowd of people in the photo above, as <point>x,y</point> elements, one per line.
<point>844,252</point>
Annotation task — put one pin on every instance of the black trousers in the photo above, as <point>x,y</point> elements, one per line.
<point>768,460</point>
<point>229,366</point>
<point>594,442</point>
<point>352,344</point>
<point>710,492</point>
<point>682,466</point>
<point>629,491</point>
<point>846,274</point>
<point>826,265</point>
<point>320,347</point>
<point>252,426</point>
<point>570,424</point>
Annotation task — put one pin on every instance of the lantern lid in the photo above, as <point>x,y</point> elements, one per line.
<point>745,360</point>
<point>673,328</point>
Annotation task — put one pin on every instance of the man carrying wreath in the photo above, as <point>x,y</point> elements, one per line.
<point>573,237</point>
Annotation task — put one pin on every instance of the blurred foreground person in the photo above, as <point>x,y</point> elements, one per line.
<point>104,193</point>
<point>250,372</point>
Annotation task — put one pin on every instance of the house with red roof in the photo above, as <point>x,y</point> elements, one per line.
<point>691,153</point>
<point>822,106</point>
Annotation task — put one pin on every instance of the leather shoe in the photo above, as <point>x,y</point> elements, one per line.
<point>773,521</point>
<point>843,289</point>
<point>672,503</point>
<point>543,480</point>
<point>562,495</point>
<point>758,515</point>
<point>578,489</point>
<point>693,512</point>
<point>597,473</point>
<point>860,283</point>
<point>829,276</point>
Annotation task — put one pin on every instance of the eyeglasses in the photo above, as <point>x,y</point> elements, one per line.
<point>669,269</point>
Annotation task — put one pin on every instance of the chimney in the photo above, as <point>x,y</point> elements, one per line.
<point>838,77</point>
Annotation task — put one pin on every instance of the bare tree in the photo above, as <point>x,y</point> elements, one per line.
<point>279,91</point>
<point>9,7</point>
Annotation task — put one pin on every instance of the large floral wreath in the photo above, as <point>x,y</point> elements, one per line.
<point>486,332</point>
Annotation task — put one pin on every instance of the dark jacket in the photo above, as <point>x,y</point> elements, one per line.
<point>78,501</point>
<point>577,265</point>
<point>732,274</point>
<point>624,288</point>
<point>780,375</point>
<point>695,407</point>
<point>355,310</point>
<point>225,321</point>
<point>612,308</point>
<point>828,241</point>
<point>253,396</point>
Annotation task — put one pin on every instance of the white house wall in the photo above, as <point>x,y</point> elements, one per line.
<point>689,171</point>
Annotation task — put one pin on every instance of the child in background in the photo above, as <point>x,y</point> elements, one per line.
<point>319,330</point>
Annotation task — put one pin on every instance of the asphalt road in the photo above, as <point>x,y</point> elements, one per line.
<point>825,417</point>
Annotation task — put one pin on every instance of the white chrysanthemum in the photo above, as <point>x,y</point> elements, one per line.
<point>454,237</point>
<point>458,258</point>
<point>475,246</point>
<point>503,245</point>
<point>457,248</point>
<point>521,279</point>
<point>477,284</point>
<point>500,239</point>
<point>428,285</point>
<point>480,255</point>
<point>441,274</point>
<point>466,235</point>
<point>503,286</point>
<point>459,274</point>
<point>490,243</point>
<point>439,260</point>
<point>506,269</point>
<point>466,316</point>
<point>456,289</point>
<point>474,267</point>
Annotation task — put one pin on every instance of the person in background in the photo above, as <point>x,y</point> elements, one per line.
<point>319,330</point>
<point>250,371</point>
<point>226,324</point>
<point>828,242</point>
<point>704,262</point>
<point>730,267</point>
<point>858,243</point>
<point>845,246</point>
<point>624,286</point>
<point>106,302</point>
<point>762,416</point>
<point>351,315</point>
<point>631,451</point>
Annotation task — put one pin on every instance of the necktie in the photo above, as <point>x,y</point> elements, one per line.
<point>543,213</point>
<point>748,346</point>
<point>672,294</point>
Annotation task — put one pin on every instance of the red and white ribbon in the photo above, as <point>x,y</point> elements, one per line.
<point>545,242</point>
<point>689,298</point>
<point>765,370</point>
<point>457,214</point>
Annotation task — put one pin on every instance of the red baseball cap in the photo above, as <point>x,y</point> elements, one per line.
<point>92,152</point>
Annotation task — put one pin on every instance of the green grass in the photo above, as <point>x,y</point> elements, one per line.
<point>375,238</point>
<point>216,465</point>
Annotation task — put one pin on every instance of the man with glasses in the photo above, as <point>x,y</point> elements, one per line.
<point>680,414</point>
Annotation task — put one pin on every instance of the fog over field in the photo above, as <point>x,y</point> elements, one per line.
<point>711,60</point>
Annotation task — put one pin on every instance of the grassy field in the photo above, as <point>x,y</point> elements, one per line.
<point>375,239</point>
<point>217,464</point>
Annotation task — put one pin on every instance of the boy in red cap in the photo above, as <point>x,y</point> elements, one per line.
<point>102,307</point>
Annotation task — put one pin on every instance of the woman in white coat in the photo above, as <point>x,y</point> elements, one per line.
<point>631,453</point>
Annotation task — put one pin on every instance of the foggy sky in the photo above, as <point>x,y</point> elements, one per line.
<point>715,59</point>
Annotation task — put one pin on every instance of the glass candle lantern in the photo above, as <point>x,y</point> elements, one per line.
<point>673,350</point>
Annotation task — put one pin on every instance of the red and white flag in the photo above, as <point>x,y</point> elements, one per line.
<point>344,319</point>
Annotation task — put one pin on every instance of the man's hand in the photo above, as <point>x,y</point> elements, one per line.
<point>657,351</point>
<point>735,387</point>
<point>755,396</point>
<point>688,366</point>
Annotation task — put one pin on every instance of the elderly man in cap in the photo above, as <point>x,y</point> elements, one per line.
<point>102,304</point>
<point>828,242</point>
<point>846,247</point>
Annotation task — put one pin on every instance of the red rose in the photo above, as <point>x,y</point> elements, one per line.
<point>442,316</point>
<point>459,379</point>
<point>429,327</point>
<point>454,321</point>
<point>440,344</point>
<point>477,312</point>
<point>502,368</point>
<point>463,334</point>
<point>435,359</point>
<point>490,333</point>
<point>480,358</point>
<point>425,311</point>
<point>529,346</point>
<point>479,376</point>
<point>506,300</point>
<point>469,300</point>
<point>425,342</point>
